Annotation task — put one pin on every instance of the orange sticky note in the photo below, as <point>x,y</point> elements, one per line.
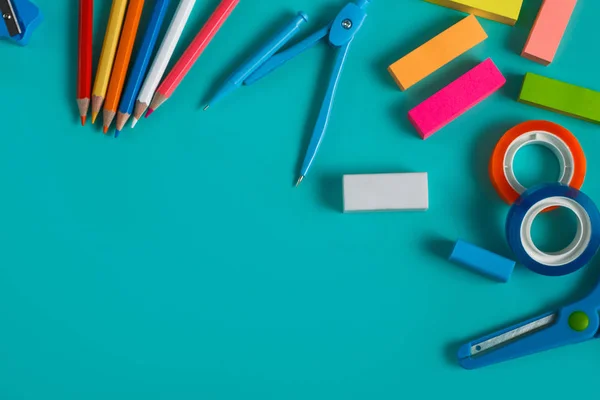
<point>437,52</point>
<point>548,30</point>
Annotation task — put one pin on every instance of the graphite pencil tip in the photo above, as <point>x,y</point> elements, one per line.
<point>134,122</point>
<point>83,119</point>
<point>94,116</point>
<point>299,180</point>
<point>207,107</point>
<point>149,112</point>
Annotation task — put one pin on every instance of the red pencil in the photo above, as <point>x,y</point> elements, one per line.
<point>84,73</point>
<point>191,54</point>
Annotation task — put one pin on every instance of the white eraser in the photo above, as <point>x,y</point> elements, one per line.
<point>386,192</point>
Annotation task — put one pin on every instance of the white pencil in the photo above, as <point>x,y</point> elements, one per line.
<point>161,61</point>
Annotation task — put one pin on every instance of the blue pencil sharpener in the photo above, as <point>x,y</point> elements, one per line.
<point>19,20</point>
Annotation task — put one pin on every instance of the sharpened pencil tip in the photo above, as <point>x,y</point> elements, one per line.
<point>149,112</point>
<point>83,119</point>
<point>117,132</point>
<point>207,107</point>
<point>299,180</point>
<point>94,116</point>
<point>105,130</point>
<point>133,123</point>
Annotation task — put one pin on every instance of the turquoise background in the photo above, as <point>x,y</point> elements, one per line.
<point>179,262</point>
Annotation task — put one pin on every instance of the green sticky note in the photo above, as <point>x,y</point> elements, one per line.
<point>561,97</point>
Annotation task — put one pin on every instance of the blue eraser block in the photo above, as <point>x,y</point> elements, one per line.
<point>482,261</point>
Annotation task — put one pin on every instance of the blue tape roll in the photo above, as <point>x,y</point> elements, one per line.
<point>575,256</point>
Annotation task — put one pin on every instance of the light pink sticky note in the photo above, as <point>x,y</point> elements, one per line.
<point>456,98</point>
<point>548,30</point>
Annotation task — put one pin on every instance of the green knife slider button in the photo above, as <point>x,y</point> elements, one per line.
<point>579,321</point>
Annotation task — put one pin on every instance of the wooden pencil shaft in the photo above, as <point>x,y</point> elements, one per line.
<point>109,47</point>
<point>197,47</point>
<point>84,78</point>
<point>137,73</point>
<point>119,73</point>
<point>167,47</point>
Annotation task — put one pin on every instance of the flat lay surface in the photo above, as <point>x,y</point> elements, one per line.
<point>180,262</point>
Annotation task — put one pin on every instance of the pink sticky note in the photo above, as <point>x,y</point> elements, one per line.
<point>548,30</point>
<point>456,98</point>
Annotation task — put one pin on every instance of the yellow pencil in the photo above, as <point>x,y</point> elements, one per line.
<point>107,57</point>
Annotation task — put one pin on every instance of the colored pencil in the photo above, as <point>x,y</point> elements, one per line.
<point>84,70</point>
<point>107,57</point>
<point>161,61</point>
<point>119,73</point>
<point>192,53</point>
<point>138,72</point>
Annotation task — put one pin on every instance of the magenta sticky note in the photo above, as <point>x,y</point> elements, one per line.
<point>456,98</point>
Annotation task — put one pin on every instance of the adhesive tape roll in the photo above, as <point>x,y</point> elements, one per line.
<point>573,257</point>
<point>558,139</point>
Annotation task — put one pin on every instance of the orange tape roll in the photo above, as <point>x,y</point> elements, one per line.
<point>558,139</point>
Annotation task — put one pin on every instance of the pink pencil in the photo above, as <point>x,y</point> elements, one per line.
<point>192,53</point>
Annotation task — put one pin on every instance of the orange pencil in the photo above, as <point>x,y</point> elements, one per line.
<point>119,73</point>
